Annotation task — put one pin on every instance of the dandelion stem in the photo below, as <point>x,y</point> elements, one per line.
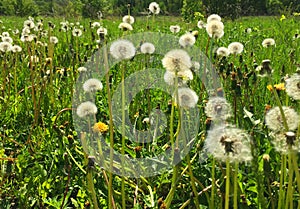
<point>235,186</point>
<point>212,198</point>
<point>193,182</point>
<point>123,137</point>
<point>282,175</point>
<point>89,174</point>
<point>111,132</point>
<point>227,191</point>
<point>289,197</point>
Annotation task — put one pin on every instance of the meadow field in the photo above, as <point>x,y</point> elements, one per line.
<point>133,113</point>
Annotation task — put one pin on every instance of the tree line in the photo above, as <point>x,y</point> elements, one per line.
<point>189,9</point>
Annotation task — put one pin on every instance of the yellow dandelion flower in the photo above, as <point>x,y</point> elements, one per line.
<point>282,17</point>
<point>278,87</point>
<point>100,127</point>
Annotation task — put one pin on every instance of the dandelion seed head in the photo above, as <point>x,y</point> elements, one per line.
<point>175,28</point>
<point>102,31</point>
<point>292,86</point>
<point>5,34</point>
<point>223,52</point>
<point>213,17</point>
<point>95,25</point>
<point>215,29</point>
<point>217,108</point>
<point>128,19</point>
<point>201,24</point>
<point>16,48</point>
<point>187,40</point>
<point>122,49</point>
<point>7,39</point>
<point>86,108</point>
<point>274,120</point>
<point>147,48</point>
<point>29,23</point>
<point>268,42</point>
<point>236,48</point>
<point>125,26</point>
<point>82,69</point>
<point>53,39</point>
<point>285,142</point>
<point>154,8</point>
<point>92,85</point>
<point>227,142</point>
<point>77,32</point>
<point>187,98</point>
<point>177,60</point>
<point>5,46</point>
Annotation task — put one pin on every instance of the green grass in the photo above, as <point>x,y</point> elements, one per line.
<point>43,163</point>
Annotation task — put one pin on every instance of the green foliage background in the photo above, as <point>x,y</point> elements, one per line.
<point>89,8</point>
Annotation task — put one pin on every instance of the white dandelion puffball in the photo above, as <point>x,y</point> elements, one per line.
<point>223,52</point>
<point>92,85</point>
<point>77,32</point>
<point>213,17</point>
<point>128,19</point>
<point>29,23</point>
<point>122,49</point>
<point>177,60</point>
<point>182,77</point>
<point>125,26</point>
<point>228,143</point>
<point>53,39</point>
<point>7,39</point>
<point>292,86</point>
<point>5,34</point>
<point>187,98</point>
<point>147,48</point>
<point>285,142</point>
<point>95,25</point>
<point>82,69</point>
<point>154,8</point>
<point>187,40</point>
<point>102,31</point>
<point>175,28</point>
<point>86,108</point>
<point>217,108</point>
<point>268,42</point>
<point>215,29</point>
<point>274,120</point>
<point>5,46</point>
<point>235,48</point>
<point>16,48</point>
<point>201,24</point>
